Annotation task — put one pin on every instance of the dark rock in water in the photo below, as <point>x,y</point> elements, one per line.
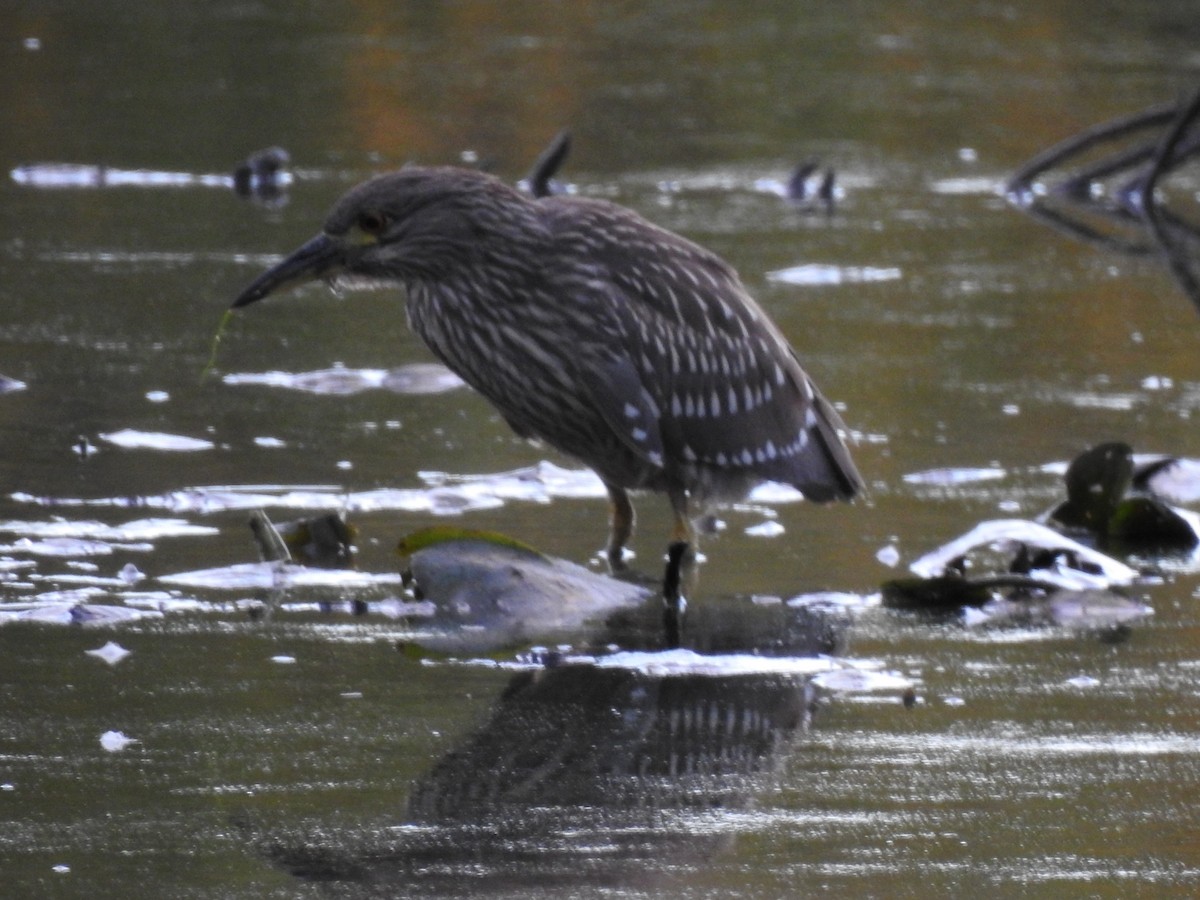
<point>1145,520</point>
<point>944,594</point>
<point>490,594</point>
<point>1099,503</point>
<point>1096,481</point>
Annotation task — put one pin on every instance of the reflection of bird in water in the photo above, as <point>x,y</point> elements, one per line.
<point>617,740</point>
<point>617,342</point>
<point>581,776</point>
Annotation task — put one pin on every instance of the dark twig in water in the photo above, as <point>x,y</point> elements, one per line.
<point>1174,147</point>
<point>1155,117</point>
<point>539,180</point>
<point>826,190</point>
<point>262,176</point>
<point>797,186</point>
<point>1114,201</point>
<point>809,186</point>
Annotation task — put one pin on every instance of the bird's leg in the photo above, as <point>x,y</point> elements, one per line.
<point>674,603</point>
<point>683,531</point>
<point>620,526</point>
<point>683,535</point>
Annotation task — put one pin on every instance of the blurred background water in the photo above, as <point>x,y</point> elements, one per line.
<point>956,333</point>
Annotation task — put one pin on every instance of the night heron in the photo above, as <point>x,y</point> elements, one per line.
<point>617,342</point>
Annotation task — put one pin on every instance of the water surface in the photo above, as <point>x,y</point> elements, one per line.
<point>959,335</point>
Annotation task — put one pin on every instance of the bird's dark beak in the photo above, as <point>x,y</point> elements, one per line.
<point>318,257</point>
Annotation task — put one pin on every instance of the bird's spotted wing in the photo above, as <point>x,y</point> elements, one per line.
<point>616,390</point>
<point>729,393</point>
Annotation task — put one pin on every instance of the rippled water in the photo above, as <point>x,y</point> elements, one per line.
<point>258,738</point>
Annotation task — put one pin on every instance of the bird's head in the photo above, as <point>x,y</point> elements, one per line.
<point>403,226</point>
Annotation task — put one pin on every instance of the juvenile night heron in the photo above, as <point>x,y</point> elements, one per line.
<point>619,343</point>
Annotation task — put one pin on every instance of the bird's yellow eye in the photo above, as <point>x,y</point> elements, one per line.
<point>372,223</point>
